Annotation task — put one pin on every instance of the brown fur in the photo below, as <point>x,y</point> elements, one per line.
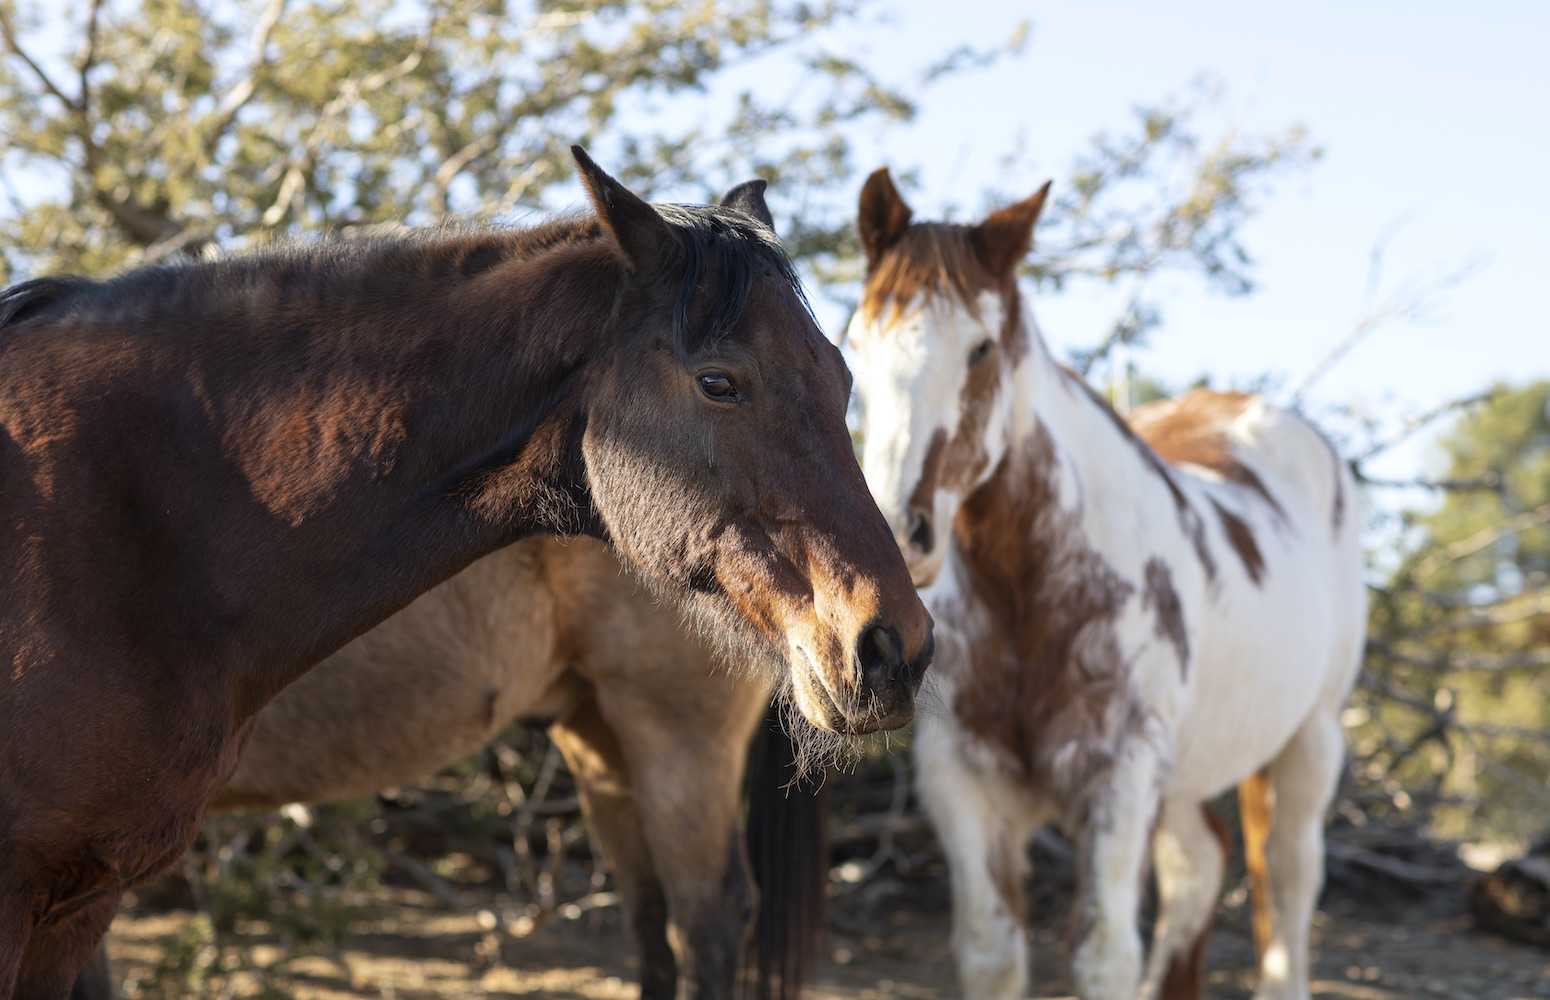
<point>1158,595</point>
<point>1050,674</point>
<point>1254,813</point>
<point>1191,430</point>
<point>1241,537</point>
<point>219,473</point>
<point>884,216</point>
<point>928,259</point>
<point>652,727</point>
<point>1008,869</point>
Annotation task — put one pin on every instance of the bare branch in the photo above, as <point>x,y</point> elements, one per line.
<point>147,228</point>
<point>1521,607</point>
<point>1409,303</point>
<point>88,59</point>
<point>1424,419</point>
<point>242,91</point>
<point>1490,482</point>
<point>1462,662</point>
<point>454,164</point>
<point>1404,871</point>
<point>1464,547</point>
<point>1118,326</point>
<point>12,42</point>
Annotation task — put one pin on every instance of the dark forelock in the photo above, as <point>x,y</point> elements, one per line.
<point>740,250</point>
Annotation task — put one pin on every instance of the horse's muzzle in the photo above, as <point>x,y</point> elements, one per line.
<point>889,679</point>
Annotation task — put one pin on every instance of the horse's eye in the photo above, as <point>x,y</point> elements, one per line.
<point>718,386</point>
<point>980,350</point>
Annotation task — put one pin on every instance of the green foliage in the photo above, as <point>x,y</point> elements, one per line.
<point>177,124</point>
<point>1460,707</point>
<point>305,876</point>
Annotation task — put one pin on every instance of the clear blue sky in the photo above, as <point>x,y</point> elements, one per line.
<point>1434,113</point>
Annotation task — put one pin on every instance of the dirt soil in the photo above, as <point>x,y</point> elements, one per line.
<point>889,939</point>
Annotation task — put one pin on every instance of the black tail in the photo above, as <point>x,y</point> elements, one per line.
<point>788,844</point>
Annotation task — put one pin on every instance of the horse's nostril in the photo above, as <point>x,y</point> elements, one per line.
<point>881,656</point>
<point>921,535</point>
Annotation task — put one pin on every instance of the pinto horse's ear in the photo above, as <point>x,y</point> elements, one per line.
<point>1005,238</point>
<point>748,198</point>
<point>884,216</point>
<point>640,234</point>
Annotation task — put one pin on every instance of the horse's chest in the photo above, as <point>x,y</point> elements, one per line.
<point>1046,681</point>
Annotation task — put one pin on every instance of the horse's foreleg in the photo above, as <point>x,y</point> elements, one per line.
<point>608,798</point>
<point>1189,854</point>
<point>686,743</point>
<point>987,864</point>
<point>57,951</point>
<point>1304,777</point>
<point>1106,945</point>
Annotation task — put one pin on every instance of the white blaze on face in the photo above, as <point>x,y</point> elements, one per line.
<point>910,368</point>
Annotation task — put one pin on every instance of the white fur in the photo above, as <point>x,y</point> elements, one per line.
<point>912,391</point>
<point>1269,666</point>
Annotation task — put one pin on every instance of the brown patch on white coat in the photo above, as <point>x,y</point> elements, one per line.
<point>1160,596</point>
<point>1050,685</point>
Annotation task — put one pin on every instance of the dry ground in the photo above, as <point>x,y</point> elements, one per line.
<point>887,940</point>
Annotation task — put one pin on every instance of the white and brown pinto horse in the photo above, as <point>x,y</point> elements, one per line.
<point>1131,618</point>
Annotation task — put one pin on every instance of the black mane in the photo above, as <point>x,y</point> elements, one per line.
<point>338,268</point>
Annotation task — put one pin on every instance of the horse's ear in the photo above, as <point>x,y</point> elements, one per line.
<point>884,216</point>
<point>1005,238</point>
<point>640,234</point>
<point>748,198</point>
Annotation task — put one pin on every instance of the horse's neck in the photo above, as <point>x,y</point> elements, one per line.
<point>1097,450</point>
<point>481,394</point>
<point>1072,467</point>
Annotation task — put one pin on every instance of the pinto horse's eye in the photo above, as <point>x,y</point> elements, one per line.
<point>718,386</point>
<point>980,350</point>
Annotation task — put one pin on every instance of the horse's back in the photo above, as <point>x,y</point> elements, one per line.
<point>1288,605</point>
<point>1278,483</point>
<point>1247,440</point>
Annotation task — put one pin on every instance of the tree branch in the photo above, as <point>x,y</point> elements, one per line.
<point>1408,303</point>
<point>1490,482</point>
<point>243,90</point>
<point>1465,547</point>
<point>1118,327</point>
<point>1464,662</point>
<point>88,59</point>
<point>8,32</point>
<point>1422,420</point>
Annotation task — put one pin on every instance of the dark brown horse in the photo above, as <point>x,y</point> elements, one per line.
<point>216,474</point>
<point>654,729</point>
